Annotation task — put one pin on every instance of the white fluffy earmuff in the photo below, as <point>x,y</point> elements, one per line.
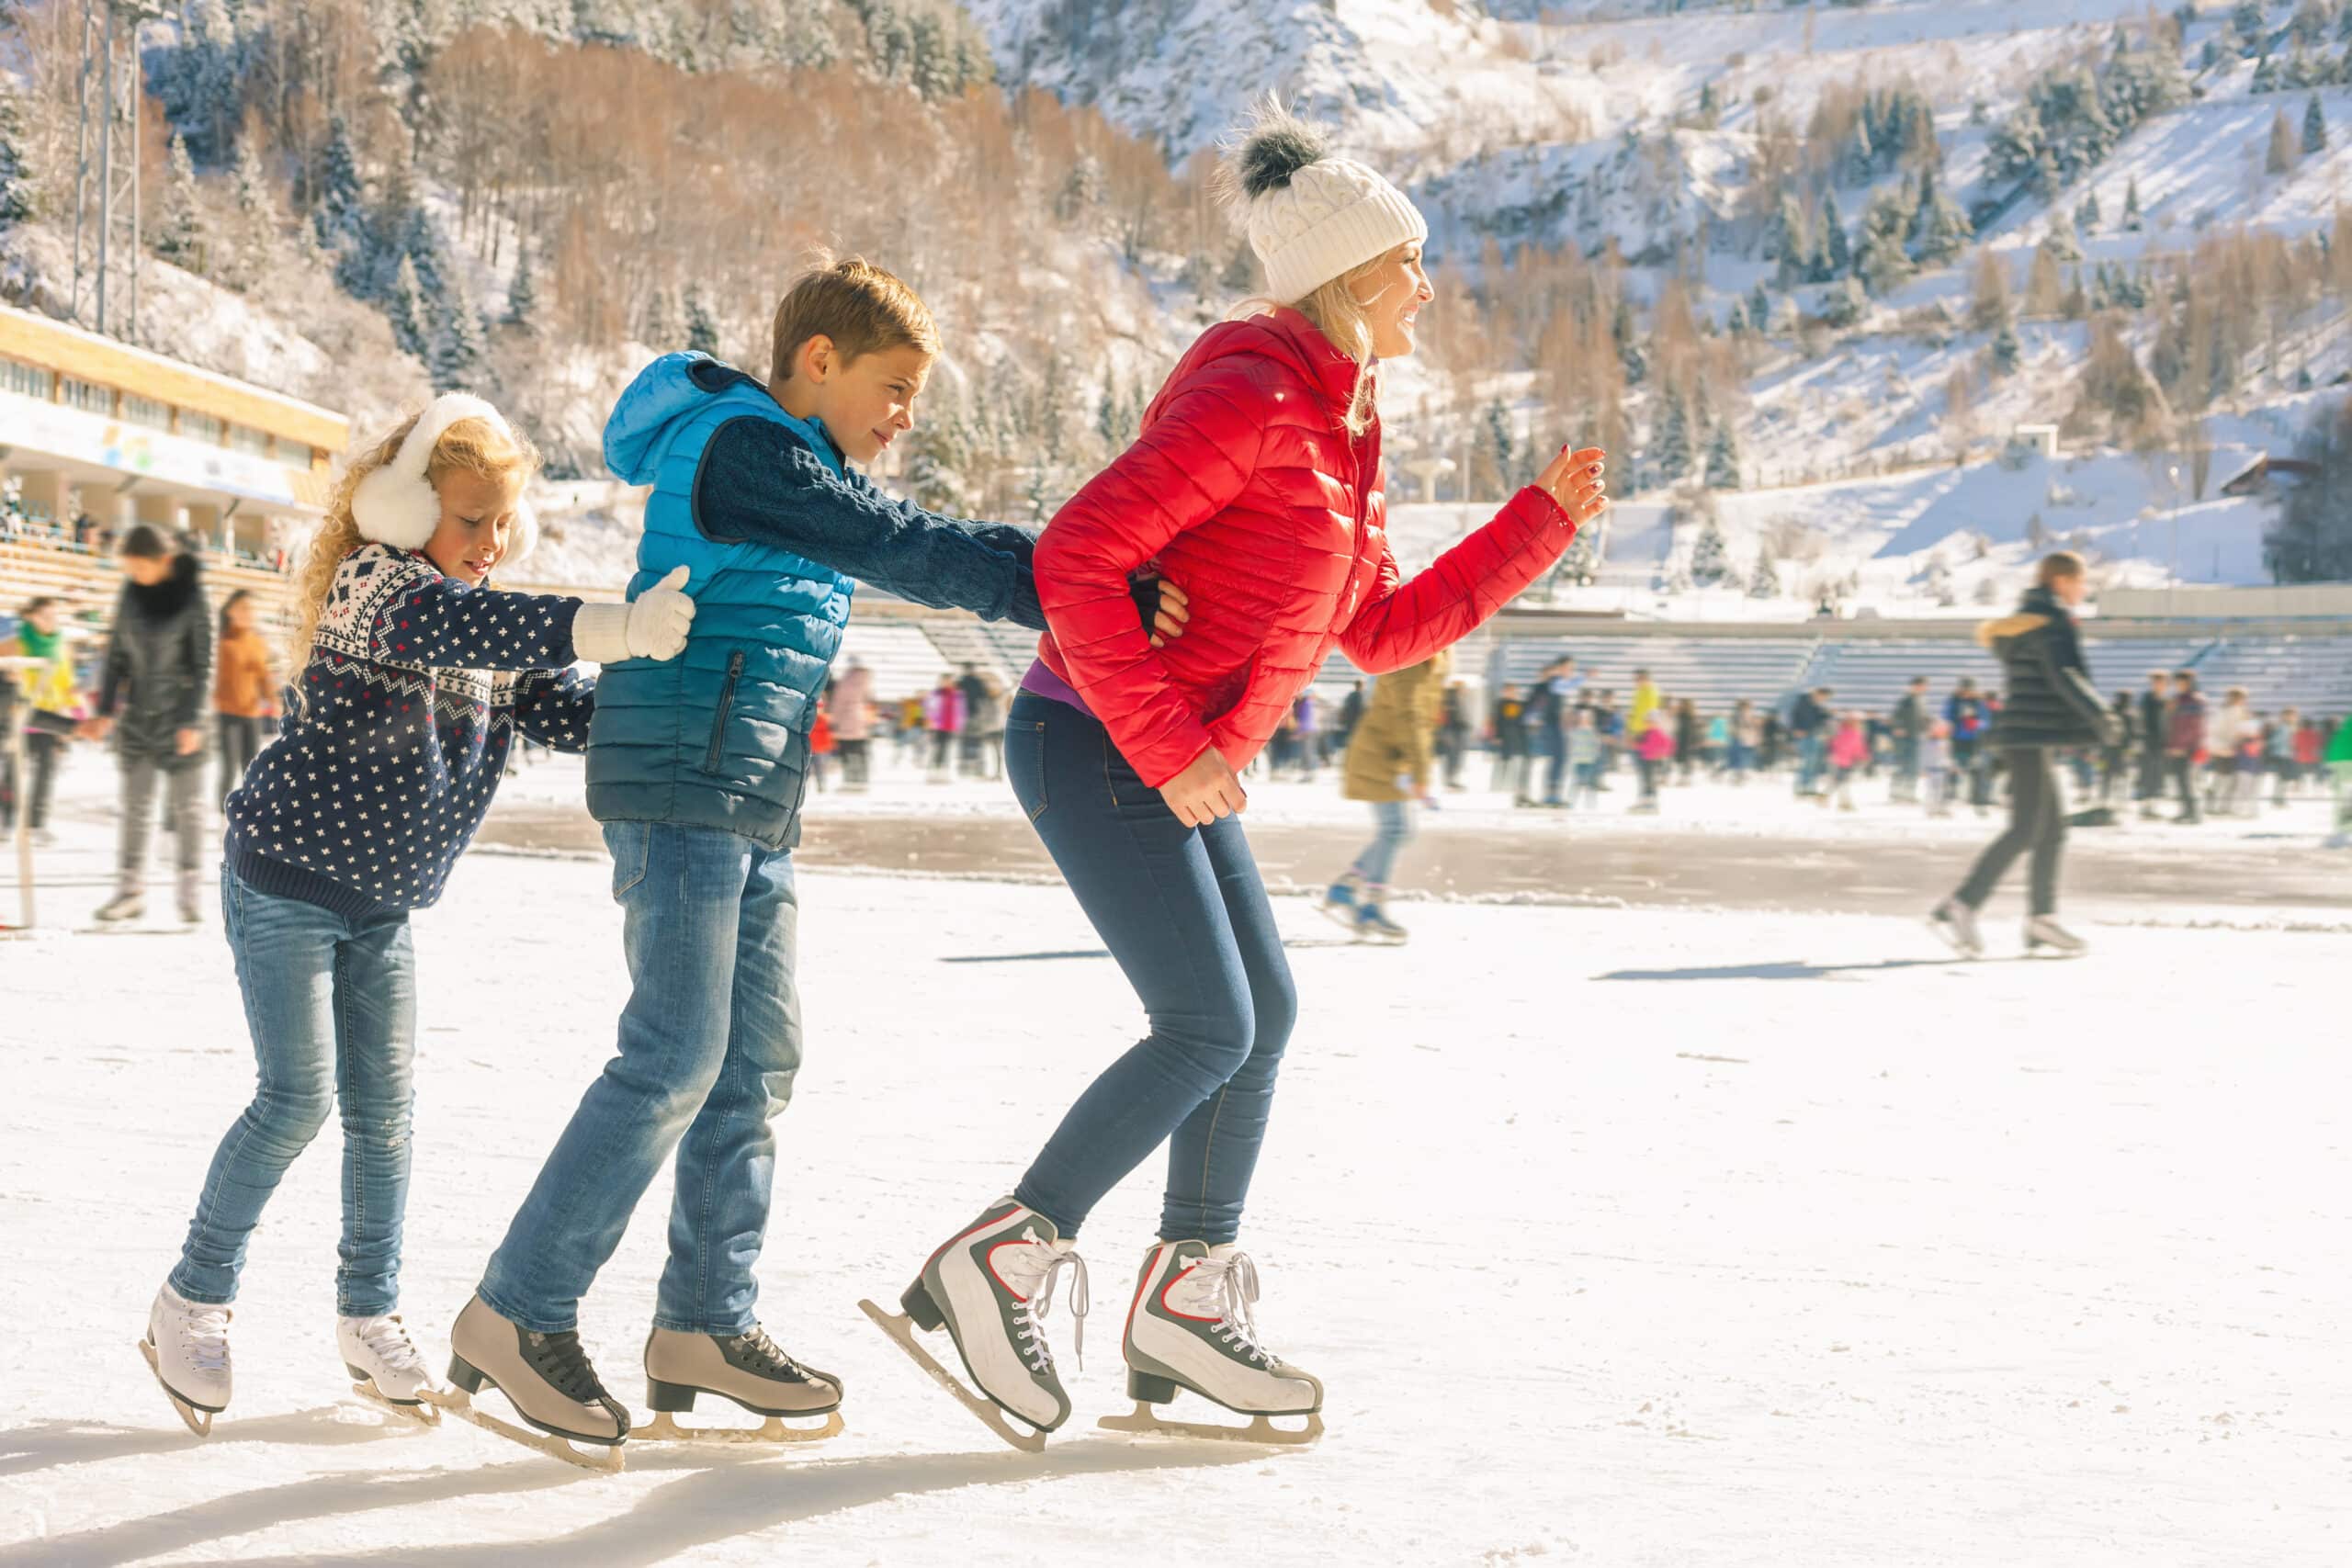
<point>397,505</point>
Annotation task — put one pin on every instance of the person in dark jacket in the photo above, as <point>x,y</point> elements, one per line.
<point>2185,743</point>
<point>2116,756</point>
<point>152,698</point>
<point>1507,723</point>
<point>2050,706</point>
<point>1809,723</point>
<point>2155,722</point>
<point>1908,727</point>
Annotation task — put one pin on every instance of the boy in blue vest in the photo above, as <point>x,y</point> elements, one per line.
<point>696,768</point>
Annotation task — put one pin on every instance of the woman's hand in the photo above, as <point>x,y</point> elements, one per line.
<point>1204,791</point>
<point>1574,480</point>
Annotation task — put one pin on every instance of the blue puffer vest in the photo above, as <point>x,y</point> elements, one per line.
<point>718,737</point>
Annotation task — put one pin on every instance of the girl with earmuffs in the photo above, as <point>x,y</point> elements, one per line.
<point>416,674</point>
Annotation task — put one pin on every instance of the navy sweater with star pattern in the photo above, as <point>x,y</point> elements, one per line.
<point>415,686</point>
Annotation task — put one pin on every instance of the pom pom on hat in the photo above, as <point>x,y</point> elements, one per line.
<point>1309,216</point>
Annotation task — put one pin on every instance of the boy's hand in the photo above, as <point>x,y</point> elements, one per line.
<point>1205,791</point>
<point>1163,606</point>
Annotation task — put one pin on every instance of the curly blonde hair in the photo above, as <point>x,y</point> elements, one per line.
<point>470,446</point>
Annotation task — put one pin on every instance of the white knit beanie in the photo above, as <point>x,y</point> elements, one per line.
<point>1311,216</point>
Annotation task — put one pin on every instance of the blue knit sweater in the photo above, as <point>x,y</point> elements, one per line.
<point>415,686</point>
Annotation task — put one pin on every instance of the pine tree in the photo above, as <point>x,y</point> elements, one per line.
<point>1785,232</point>
<point>2007,351</point>
<point>2280,158</point>
<point>2086,213</point>
<point>1938,581</point>
<point>180,237</point>
<point>1836,254</point>
<point>1764,582</point>
<point>1883,265</point>
<point>522,292</point>
<point>702,331</point>
<point>2133,220</point>
<point>2266,76</point>
<point>1760,309</point>
<point>1672,443</point>
<point>458,350</point>
<point>16,179</point>
<point>1939,229</point>
<point>2059,239</point>
<point>339,217</point>
<point>1722,461</point>
<point>664,327</point>
<point>1843,304</point>
<point>2314,128</point>
<point>1502,451</point>
<point>404,309</point>
<point>1736,323</point>
<point>1629,349</point>
<point>252,238</point>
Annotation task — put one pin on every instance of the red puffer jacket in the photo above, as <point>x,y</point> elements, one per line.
<point>1245,489</point>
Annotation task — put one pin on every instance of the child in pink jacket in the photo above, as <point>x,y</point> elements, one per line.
<point>1849,748</point>
<point>1651,755</point>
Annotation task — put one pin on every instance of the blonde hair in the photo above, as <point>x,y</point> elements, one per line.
<point>1340,317</point>
<point>2056,565</point>
<point>470,446</point>
<point>861,307</point>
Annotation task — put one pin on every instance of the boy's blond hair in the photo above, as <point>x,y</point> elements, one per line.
<point>861,308</point>
<point>468,446</point>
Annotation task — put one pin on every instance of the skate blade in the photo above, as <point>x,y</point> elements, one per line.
<point>604,1461</point>
<point>199,1421</point>
<point>665,1429</point>
<point>419,1414</point>
<point>1145,1419</point>
<point>901,1330</point>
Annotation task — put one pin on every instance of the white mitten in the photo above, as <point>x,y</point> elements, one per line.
<point>653,626</point>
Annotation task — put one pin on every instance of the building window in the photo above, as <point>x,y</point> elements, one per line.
<point>26,381</point>
<point>244,438</point>
<point>146,411</point>
<point>199,426</point>
<point>87,396</point>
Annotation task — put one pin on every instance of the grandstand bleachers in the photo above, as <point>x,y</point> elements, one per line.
<point>1714,671</point>
<point>2313,674</point>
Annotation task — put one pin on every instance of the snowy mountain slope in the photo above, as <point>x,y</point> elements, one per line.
<point>1399,75</point>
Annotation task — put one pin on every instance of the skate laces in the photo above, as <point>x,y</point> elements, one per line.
<point>1028,1313</point>
<point>387,1341</point>
<point>1228,1285</point>
<point>560,1358</point>
<point>204,1330</point>
<point>765,1355</point>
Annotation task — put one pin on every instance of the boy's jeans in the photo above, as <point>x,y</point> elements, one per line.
<point>709,1043</point>
<point>332,1005</point>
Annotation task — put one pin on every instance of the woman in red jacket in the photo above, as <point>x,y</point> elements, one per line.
<point>1256,485</point>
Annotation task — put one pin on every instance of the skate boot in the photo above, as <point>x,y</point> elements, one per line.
<point>127,905</point>
<point>1956,923</point>
<point>1193,1326</point>
<point>1373,923</point>
<point>1339,898</point>
<point>188,1349</point>
<point>990,1287</point>
<point>191,908</point>
<point>384,1365</point>
<point>751,1370</point>
<point>2044,930</point>
<point>546,1378</point>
